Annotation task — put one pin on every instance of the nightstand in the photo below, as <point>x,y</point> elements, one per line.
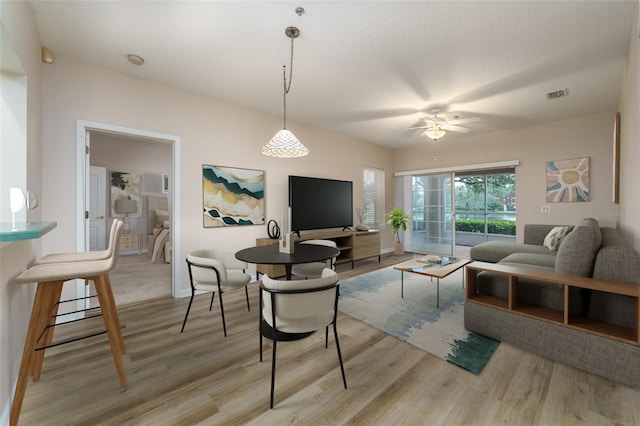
<point>130,242</point>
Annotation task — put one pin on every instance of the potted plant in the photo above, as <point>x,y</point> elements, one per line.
<point>397,218</point>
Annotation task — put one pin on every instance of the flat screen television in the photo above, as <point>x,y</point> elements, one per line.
<point>320,203</point>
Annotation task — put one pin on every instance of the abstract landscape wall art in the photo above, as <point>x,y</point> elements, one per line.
<point>568,180</point>
<point>126,185</point>
<point>232,196</point>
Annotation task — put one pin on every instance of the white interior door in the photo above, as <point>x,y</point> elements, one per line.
<point>97,208</point>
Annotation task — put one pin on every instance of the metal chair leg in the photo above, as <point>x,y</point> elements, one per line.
<point>273,367</point>
<point>188,309</point>
<point>211,304</point>
<point>246,293</point>
<point>224,325</point>
<point>326,337</point>
<point>335,333</point>
<point>260,322</point>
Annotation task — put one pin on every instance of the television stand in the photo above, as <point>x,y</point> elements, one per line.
<point>353,245</point>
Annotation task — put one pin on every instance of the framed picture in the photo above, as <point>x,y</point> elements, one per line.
<point>129,186</point>
<point>165,183</point>
<point>616,159</point>
<point>568,180</point>
<point>232,196</point>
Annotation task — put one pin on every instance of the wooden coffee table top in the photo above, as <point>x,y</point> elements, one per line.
<point>437,270</point>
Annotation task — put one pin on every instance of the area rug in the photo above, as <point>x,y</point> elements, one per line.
<point>374,298</point>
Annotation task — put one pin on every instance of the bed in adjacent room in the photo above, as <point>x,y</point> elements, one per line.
<point>158,229</point>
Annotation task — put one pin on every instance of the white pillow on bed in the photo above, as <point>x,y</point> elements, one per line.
<point>166,224</point>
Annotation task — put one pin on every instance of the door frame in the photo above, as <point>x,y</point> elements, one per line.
<point>83,129</point>
<point>101,200</point>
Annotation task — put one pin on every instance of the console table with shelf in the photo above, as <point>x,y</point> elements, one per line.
<point>630,335</point>
<point>353,245</point>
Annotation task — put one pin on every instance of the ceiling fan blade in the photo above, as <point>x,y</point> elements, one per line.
<point>464,120</point>
<point>457,129</point>
<point>426,124</point>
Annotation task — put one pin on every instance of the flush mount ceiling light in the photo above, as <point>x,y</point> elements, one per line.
<point>135,59</point>
<point>284,144</point>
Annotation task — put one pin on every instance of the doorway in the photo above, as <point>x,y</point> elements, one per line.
<point>85,130</point>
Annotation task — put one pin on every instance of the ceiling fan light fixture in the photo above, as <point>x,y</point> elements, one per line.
<point>435,133</point>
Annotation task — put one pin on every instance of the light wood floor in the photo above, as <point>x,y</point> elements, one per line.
<point>135,279</point>
<point>200,377</point>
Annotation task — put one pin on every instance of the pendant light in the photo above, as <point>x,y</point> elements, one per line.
<point>284,144</point>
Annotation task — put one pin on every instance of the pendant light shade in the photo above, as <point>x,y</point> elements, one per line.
<point>284,144</point>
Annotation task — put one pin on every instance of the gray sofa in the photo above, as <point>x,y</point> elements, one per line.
<point>587,250</point>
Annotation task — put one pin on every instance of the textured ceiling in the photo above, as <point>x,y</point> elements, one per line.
<point>370,70</point>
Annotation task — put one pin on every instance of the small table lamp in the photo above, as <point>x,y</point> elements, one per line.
<point>125,206</point>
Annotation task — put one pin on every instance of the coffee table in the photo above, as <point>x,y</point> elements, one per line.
<point>420,266</point>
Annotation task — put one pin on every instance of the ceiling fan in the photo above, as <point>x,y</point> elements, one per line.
<point>436,127</point>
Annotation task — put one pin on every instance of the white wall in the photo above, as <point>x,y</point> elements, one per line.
<point>589,136</point>
<point>629,207</point>
<point>211,132</point>
<point>16,299</point>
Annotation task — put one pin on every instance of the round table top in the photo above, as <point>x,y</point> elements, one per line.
<point>271,255</point>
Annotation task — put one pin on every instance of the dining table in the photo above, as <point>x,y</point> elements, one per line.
<point>271,255</point>
<point>302,253</point>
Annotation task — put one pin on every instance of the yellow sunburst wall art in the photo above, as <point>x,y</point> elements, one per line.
<point>568,180</point>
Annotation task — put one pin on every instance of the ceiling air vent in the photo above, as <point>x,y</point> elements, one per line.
<point>558,94</point>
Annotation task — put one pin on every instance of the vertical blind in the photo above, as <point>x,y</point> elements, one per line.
<point>373,197</point>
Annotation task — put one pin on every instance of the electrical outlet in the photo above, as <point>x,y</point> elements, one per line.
<point>545,209</point>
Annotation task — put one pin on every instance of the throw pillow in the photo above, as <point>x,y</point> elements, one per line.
<point>555,236</point>
<point>577,252</point>
<point>161,216</point>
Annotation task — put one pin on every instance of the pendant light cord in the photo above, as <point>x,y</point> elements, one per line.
<point>287,87</point>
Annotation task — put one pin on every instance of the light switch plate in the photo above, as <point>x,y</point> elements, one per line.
<point>545,209</point>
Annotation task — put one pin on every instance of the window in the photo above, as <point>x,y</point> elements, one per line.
<point>372,214</point>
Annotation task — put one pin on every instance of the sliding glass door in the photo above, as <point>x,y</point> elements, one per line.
<point>453,211</point>
<point>432,214</point>
<point>485,207</point>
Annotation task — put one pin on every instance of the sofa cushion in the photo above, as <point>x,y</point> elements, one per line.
<point>495,251</point>
<point>555,236</point>
<point>577,252</point>
<point>534,233</point>
<point>616,261</point>
<point>546,261</point>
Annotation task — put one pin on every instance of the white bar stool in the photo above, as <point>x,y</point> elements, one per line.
<point>50,278</point>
